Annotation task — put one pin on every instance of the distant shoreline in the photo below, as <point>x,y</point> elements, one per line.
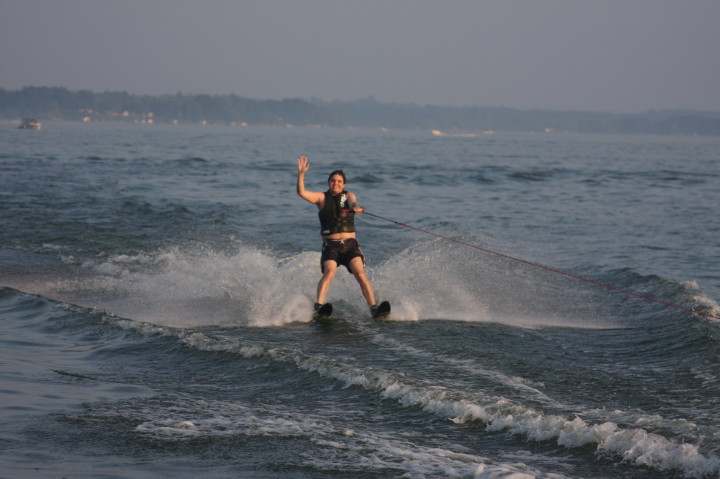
<point>57,103</point>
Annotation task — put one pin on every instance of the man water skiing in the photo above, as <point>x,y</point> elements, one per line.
<point>337,209</point>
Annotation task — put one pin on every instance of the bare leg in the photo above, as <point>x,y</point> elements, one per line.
<point>323,287</point>
<point>358,269</point>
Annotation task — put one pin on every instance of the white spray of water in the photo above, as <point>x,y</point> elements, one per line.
<point>193,287</point>
<point>197,286</point>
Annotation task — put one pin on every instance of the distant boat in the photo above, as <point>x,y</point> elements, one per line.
<point>30,124</point>
<point>440,133</point>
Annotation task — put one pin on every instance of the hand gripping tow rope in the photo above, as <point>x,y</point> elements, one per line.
<point>537,265</point>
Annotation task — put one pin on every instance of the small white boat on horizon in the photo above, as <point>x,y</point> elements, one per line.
<point>30,124</point>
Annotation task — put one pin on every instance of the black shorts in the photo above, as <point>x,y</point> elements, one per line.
<point>341,251</point>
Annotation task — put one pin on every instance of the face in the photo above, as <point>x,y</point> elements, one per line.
<point>336,184</point>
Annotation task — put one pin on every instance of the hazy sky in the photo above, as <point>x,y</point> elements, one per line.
<point>604,55</point>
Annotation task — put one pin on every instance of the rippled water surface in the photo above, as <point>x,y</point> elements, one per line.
<point>156,282</point>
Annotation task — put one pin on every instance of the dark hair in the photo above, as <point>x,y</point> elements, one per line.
<point>337,172</point>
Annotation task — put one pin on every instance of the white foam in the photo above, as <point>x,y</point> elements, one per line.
<point>429,280</point>
<point>698,296</point>
<point>633,444</point>
<point>338,447</point>
<point>424,284</point>
<point>195,287</point>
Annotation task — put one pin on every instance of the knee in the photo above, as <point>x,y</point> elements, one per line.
<point>360,276</point>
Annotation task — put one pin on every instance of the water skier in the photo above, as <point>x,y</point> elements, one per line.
<point>337,209</point>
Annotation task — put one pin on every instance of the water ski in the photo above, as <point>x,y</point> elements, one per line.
<point>381,311</point>
<point>322,312</point>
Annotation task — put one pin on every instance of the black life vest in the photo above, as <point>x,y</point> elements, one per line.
<point>336,215</point>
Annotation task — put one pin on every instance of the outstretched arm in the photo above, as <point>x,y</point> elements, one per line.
<point>314,197</point>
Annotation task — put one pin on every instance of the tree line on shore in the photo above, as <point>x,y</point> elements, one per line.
<point>57,103</point>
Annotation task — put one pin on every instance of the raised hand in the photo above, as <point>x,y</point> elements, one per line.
<point>303,164</point>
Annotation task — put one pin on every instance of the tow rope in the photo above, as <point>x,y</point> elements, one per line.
<point>537,265</point>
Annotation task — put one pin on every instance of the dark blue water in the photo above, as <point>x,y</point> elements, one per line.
<point>155,284</point>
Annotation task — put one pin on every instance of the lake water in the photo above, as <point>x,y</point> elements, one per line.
<point>156,284</point>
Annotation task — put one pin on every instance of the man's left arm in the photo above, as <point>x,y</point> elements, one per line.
<point>352,201</point>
